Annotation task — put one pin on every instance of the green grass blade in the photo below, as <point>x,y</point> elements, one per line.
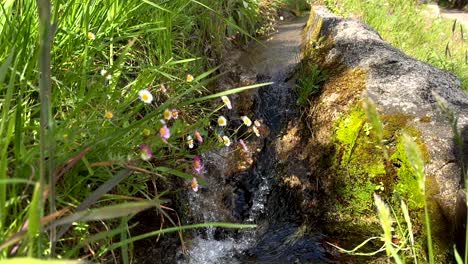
<point>228,92</point>
<point>98,193</point>
<point>40,261</point>
<point>6,65</point>
<point>34,216</point>
<point>16,181</point>
<point>107,212</point>
<point>458,258</point>
<point>179,228</point>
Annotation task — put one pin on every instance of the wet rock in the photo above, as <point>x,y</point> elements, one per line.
<point>398,84</point>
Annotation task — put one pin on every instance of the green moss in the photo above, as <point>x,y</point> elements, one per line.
<point>407,184</point>
<point>361,169</point>
<point>360,165</point>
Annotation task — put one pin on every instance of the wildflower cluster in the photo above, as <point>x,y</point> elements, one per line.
<point>170,126</point>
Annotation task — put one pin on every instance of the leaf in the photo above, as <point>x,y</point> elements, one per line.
<point>415,159</point>
<point>457,255</point>
<point>107,212</point>
<point>40,261</point>
<point>228,92</point>
<point>6,65</point>
<point>179,228</point>
<point>98,193</point>
<point>34,216</point>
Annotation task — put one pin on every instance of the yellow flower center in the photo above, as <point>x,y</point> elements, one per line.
<point>163,131</point>
<point>109,115</point>
<point>194,184</point>
<point>145,97</point>
<point>222,121</point>
<point>167,114</point>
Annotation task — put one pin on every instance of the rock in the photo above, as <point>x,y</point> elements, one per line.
<point>352,52</point>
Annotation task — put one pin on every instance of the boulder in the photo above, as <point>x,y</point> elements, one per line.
<point>361,64</point>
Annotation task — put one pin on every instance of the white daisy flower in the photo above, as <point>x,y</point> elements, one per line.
<point>246,121</point>
<point>145,96</point>
<point>222,121</point>
<point>91,36</point>
<point>226,141</point>
<point>190,141</point>
<point>106,74</point>
<point>226,101</point>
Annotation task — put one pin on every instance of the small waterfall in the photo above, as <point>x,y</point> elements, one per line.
<point>245,197</point>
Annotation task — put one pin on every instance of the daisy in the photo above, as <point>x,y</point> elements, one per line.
<point>145,96</point>
<point>146,153</point>
<point>194,184</point>
<point>167,114</point>
<point>190,141</point>
<point>175,113</point>
<point>198,136</point>
<point>222,121</point>
<point>189,77</point>
<point>106,74</point>
<point>226,101</point>
<point>91,36</point>
<point>164,132</point>
<point>197,164</point>
<point>146,132</point>
<point>226,141</point>
<point>255,130</point>
<point>246,121</point>
<point>109,114</point>
<point>257,123</point>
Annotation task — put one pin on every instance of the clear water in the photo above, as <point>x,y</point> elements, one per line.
<point>245,199</point>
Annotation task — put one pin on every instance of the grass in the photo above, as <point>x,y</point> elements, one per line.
<point>405,25</point>
<point>73,171</point>
<point>309,82</point>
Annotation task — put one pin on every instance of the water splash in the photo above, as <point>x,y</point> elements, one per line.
<point>245,199</point>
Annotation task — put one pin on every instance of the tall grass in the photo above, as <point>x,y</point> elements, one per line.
<point>71,121</point>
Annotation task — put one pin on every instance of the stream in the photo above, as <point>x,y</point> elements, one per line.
<point>253,195</point>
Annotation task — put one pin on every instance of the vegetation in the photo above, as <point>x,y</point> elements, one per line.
<point>454,3</point>
<point>99,101</point>
<point>406,25</point>
<point>310,80</point>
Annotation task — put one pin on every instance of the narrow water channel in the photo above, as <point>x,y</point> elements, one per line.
<point>251,196</point>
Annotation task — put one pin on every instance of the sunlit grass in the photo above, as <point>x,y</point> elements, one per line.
<point>81,99</point>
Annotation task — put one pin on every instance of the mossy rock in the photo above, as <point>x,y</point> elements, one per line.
<point>349,160</point>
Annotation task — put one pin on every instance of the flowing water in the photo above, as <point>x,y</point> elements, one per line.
<point>250,196</point>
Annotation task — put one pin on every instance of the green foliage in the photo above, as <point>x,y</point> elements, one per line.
<point>360,163</point>
<point>409,183</point>
<point>309,82</point>
<point>76,124</point>
<point>295,6</point>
